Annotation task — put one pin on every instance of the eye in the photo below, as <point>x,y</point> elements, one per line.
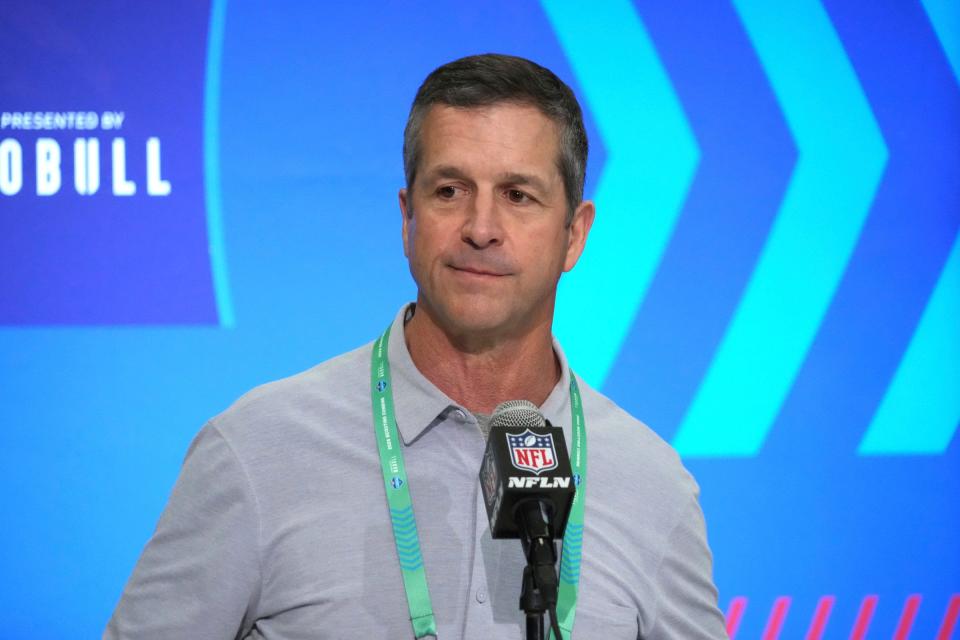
<point>517,196</point>
<point>447,192</point>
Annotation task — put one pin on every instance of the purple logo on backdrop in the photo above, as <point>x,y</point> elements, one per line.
<point>532,452</point>
<point>102,201</point>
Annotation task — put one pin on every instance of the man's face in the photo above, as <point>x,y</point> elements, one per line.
<point>485,227</point>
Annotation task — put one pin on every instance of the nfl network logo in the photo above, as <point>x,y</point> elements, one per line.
<point>532,452</point>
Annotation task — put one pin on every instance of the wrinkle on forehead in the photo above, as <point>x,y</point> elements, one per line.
<point>517,135</point>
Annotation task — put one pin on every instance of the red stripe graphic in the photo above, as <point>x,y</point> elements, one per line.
<point>910,608</point>
<point>863,618</point>
<point>820,615</point>
<point>950,619</point>
<point>777,616</point>
<point>734,614</point>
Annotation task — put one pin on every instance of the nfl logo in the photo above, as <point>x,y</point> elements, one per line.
<point>532,452</point>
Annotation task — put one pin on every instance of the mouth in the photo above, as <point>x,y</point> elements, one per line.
<point>477,271</point>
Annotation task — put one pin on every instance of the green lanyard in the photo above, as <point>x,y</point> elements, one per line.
<point>401,507</point>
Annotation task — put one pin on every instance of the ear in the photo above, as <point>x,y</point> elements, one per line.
<point>579,229</point>
<point>405,212</point>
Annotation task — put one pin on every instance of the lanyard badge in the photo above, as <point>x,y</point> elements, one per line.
<point>401,507</point>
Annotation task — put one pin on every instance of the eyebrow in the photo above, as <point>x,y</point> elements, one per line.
<point>445,171</point>
<point>523,179</point>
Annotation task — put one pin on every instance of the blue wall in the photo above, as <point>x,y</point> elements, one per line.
<point>772,283</point>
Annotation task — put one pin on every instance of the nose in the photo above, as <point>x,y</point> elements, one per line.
<point>482,227</point>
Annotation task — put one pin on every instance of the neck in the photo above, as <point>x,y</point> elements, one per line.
<point>481,373</point>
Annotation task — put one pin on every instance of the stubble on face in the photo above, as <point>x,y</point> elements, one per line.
<point>487,238</point>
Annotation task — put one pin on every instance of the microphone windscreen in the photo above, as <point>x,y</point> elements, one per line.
<point>517,413</point>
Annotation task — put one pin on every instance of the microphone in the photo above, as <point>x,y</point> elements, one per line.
<point>526,460</point>
<point>526,481</point>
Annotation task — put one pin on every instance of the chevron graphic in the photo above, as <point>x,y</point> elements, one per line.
<point>841,158</point>
<point>572,554</point>
<point>651,159</point>
<point>921,410</point>
<point>945,17</point>
<point>408,545</point>
<point>747,160</point>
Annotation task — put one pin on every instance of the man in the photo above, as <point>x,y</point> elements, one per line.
<point>279,527</point>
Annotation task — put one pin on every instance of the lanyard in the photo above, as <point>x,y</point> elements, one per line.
<point>401,507</point>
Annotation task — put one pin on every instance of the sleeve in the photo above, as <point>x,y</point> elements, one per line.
<point>199,575</point>
<point>687,598</point>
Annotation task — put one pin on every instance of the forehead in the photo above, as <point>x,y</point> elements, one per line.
<point>504,137</point>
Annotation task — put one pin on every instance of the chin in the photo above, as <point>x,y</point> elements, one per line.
<point>477,323</point>
<point>476,319</point>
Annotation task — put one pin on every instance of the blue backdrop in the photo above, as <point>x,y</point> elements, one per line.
<point>193,197</point>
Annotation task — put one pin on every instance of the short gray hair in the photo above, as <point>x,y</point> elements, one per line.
<point>491,78</point>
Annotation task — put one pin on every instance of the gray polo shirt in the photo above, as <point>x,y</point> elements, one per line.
<point>277,527</point>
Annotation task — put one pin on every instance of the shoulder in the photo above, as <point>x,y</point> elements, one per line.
<point>278,409</point>
<point>625,451</point>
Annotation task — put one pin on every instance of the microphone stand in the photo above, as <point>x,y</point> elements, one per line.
<point>538,593</point>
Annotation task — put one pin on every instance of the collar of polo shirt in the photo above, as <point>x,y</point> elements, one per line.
<point>419,405</point>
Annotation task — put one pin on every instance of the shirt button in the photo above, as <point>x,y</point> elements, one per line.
<point>460,415</point>
<point>481,596</point>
